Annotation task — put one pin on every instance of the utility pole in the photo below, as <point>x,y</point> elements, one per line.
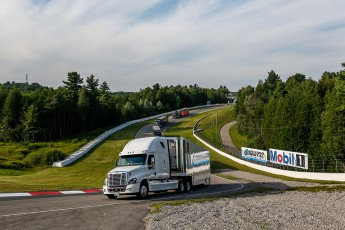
<point>217,123</point>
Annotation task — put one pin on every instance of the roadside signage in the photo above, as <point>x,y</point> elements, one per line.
<point>294,159</point>
<point>254,154</point>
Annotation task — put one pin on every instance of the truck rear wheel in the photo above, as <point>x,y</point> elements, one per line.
<point>207,181</point>
<point>143,190</point>
<point>111,196</point>
<point>181,187</point>
<point>188,186</point>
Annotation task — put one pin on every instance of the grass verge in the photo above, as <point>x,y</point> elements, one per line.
<point>336,188</point>
<point>156,208</point>
<point>212,124</point>
<point>23,157</point>
<point>238,139</point>
<point>87,173</point>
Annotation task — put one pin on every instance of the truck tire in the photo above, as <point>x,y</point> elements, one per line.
<point>188,186</point>
<point>143,190</point>
<point>111,196</point>
<point>207,182</point>
<point>181,186</point>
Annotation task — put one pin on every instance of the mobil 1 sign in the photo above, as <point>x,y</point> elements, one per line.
<point>254,154</point>
<point>294,159</point>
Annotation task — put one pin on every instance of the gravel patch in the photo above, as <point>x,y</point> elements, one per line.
<point>273,210</point>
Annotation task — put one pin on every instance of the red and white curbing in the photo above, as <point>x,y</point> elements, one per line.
<point>25,194</point>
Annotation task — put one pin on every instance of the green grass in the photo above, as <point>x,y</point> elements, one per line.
<point>336,188</point>
<point>238,139</point>
<point>212,124</point>
<point>227,176</point>
<point>155,208</point>
<point>23,157</point>
<point>87,173</point>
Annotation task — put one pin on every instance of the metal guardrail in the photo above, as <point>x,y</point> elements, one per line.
<point>86,148</point>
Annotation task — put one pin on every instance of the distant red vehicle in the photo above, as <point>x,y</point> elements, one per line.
<point>184,112</point>
<point>181,113</point>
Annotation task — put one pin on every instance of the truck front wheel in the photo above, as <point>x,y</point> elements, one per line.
<point>143,190</point>
<point>111,196</point>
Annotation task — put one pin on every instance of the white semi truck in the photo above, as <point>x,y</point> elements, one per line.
<point>155,164</point>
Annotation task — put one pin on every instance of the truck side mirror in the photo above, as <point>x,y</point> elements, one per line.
<point>151,162</point>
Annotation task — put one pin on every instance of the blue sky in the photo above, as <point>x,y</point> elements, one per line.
<point>134,44</point>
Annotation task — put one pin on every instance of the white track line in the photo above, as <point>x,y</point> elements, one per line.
<point>128,202</point>
<point>72,192</point>
<point>18,194</point>
<point>53,193</point>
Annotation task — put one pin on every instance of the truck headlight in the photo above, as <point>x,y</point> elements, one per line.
<point>105,181</point>
<point>132,181</point>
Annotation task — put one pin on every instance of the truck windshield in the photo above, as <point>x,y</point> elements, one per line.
<point>138,159</point>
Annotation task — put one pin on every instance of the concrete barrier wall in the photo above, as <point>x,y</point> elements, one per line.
<point>86,148</point>
<point>300,175</point>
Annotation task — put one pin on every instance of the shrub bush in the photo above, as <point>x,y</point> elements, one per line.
<point>7,163</point>
<point>44,157</point>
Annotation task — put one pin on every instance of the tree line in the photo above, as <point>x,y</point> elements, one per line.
<point>300,114</point>
<point>31,112</point>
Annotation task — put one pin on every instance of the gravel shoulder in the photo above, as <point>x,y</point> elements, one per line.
<point>273,210</point>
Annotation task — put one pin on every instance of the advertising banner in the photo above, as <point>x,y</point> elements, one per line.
<point>254,154</point>
<point>294,159</point>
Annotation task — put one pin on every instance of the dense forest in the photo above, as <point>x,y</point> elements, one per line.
<point>300,115</point>
<point>31,112</point>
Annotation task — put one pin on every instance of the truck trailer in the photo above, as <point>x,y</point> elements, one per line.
<point>156,164</point>
<point>161,121</point>
<point>156,130</point>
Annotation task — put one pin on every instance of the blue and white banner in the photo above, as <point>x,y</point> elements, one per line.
<point>198,159</point>
<point>254,154</point>
<point>294,159</point>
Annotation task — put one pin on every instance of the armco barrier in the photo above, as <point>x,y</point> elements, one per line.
<point>86,148</point>
<point>300,175</point>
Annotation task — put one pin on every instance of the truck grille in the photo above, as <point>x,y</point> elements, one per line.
<point>118,179</point>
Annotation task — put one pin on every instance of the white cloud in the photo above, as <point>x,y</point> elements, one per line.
<point>209,43</point>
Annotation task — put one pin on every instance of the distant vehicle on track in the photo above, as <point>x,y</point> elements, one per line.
<point>161,121</point>
<point>181,113</point>
<point>156,130</point>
